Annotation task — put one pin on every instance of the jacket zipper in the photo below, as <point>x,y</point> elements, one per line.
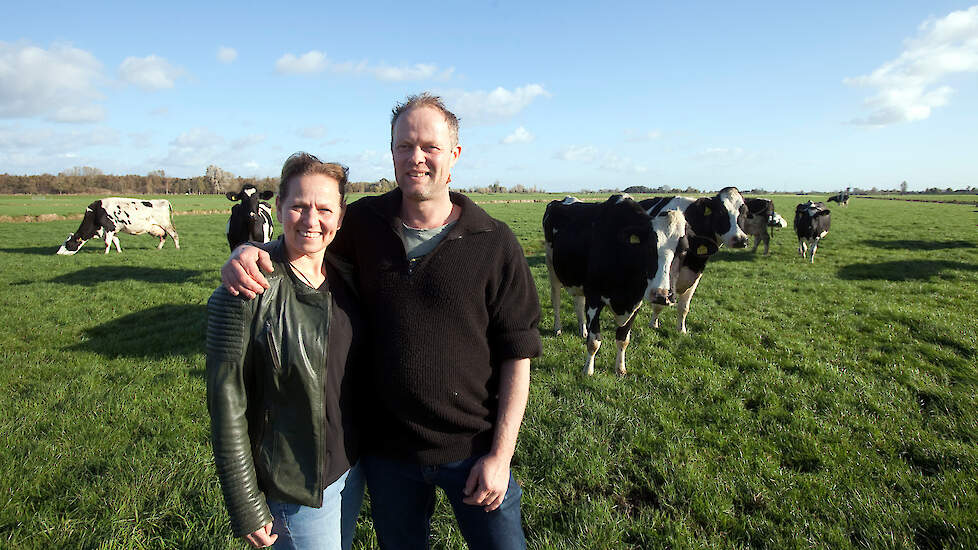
<point>324,382</point>
<point>273,347</point>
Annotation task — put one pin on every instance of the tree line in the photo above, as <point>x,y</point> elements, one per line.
<point>91,181</point>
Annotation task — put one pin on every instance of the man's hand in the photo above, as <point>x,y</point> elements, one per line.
<point>241,274</point>
<point>262,538</point>
<point>487,482</point>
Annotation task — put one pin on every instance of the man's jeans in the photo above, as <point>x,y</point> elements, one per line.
<point>330,527</point>
<point>402,499</point>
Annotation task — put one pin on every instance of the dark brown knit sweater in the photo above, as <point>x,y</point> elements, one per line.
<point>438,332</point>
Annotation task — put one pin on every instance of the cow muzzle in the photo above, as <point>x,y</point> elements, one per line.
<point>663,297</point>
<point>740,242</point>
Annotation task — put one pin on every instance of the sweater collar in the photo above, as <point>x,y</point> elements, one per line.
<point>473,219</point>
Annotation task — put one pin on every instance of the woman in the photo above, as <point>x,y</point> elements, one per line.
<point>280,379</point>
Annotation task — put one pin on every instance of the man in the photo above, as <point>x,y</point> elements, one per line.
<point>452,314</point>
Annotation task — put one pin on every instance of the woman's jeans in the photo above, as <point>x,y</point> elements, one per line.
<point>328,528</point>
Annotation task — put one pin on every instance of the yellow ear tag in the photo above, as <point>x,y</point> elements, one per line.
<point>702,250</point>
<point>707,211</point>
<point>634,239</point>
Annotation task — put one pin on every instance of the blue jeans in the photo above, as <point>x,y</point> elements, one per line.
<point>330,527</point>
<point>402,499</point>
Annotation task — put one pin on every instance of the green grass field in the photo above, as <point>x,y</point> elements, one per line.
<point>811,406</point>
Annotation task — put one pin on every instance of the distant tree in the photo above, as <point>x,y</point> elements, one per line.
<point>218,179</point>
<point>638,189</point>
<point>903,187</point>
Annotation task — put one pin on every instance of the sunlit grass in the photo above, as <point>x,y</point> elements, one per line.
<point>829,405</point>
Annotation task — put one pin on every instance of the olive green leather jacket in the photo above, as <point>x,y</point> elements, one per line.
<point>280,393</point>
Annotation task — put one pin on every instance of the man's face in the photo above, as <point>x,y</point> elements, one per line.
<point>423,153</point>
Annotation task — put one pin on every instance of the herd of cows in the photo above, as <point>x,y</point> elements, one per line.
<point>614,254</point>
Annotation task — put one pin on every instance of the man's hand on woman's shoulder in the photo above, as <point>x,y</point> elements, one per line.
<point>241,274</point>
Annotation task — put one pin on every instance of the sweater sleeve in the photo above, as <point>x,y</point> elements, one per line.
<point>514,307</point>
<point>229,379</point>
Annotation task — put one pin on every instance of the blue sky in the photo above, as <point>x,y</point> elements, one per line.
<point>561,96</point>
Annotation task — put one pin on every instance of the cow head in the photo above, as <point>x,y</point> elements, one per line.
<point>71,245</point>
<point>250,197</point>
<point>776,220</point>
<point>720,218</point>
<point>672,245</point>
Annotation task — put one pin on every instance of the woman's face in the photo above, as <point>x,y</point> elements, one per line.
<point>310,214</point>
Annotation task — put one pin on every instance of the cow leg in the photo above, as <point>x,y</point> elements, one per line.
<point>682,305</point>
<point>814,248</point>
<point>802,248</point>
<point>115,241</point>
<point>173,235</point>
<point>767,243</point>
<point>622,336</point>
<point>582,323</point>
<point>555,287</point>
<point>593,335</point>
<point>108,241</point>
<point>656,310</point>
<point>757,241</point>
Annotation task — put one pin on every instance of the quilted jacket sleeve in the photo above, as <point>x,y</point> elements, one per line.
<point>229,380</point>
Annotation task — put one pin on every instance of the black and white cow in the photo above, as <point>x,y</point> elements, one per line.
<point>712,222</point>
<point>842,198</point>
<point>609,254</point>
<point>761,221</point>
<point>251,219</point>
<point>812,223</point>
<point>106,217</point>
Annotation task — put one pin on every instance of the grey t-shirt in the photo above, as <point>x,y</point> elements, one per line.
<point>418,242</point>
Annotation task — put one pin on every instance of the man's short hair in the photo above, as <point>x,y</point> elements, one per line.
<point>302,164</point>
<point>426,99</point>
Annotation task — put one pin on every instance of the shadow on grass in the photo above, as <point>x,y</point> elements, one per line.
<point>737,255</point>
<point>536,259</point>
<point>910,244</point>
<point>154,333</point>
<point>902,270</point>
<point>92,275</point>
<point>34,250</point>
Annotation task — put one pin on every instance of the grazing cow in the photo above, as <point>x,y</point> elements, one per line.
<point>842,198</point>
<point>761,221</point>
<point>251,219</point>
<point>106,217</point>
<point>713,221</point>
<point>610,254</point>
<point>811,225</point>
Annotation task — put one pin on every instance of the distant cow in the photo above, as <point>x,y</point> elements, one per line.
<point>106,217</point>
<point>842,198</point>
<point>761,221</point>
<point>251,219</point>
<point>713,221</point>
<point>610,254</point>
<point>811,225</point>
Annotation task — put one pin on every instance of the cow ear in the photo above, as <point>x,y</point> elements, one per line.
<point>702,247</point>
<point>231,195</point>
<point>635,234</point>
<point>265,195</point>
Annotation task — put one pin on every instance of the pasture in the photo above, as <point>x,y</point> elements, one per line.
<point>811,406</point>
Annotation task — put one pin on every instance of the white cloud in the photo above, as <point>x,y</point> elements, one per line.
<point>58,84</point>
<point>909,86</point>
<point>520,135</point>
<point>247,141</point>
<point>314,61</point>
<point>635,136</point>
<point>577,153</point>
<point>312,132</point>
<point>486,107</point>
<point>307,63</point>
<point>38,150</point>
<point>149,73</point>
<point>604,160</point>
<point>723,156</point>
<point>226,54</point>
